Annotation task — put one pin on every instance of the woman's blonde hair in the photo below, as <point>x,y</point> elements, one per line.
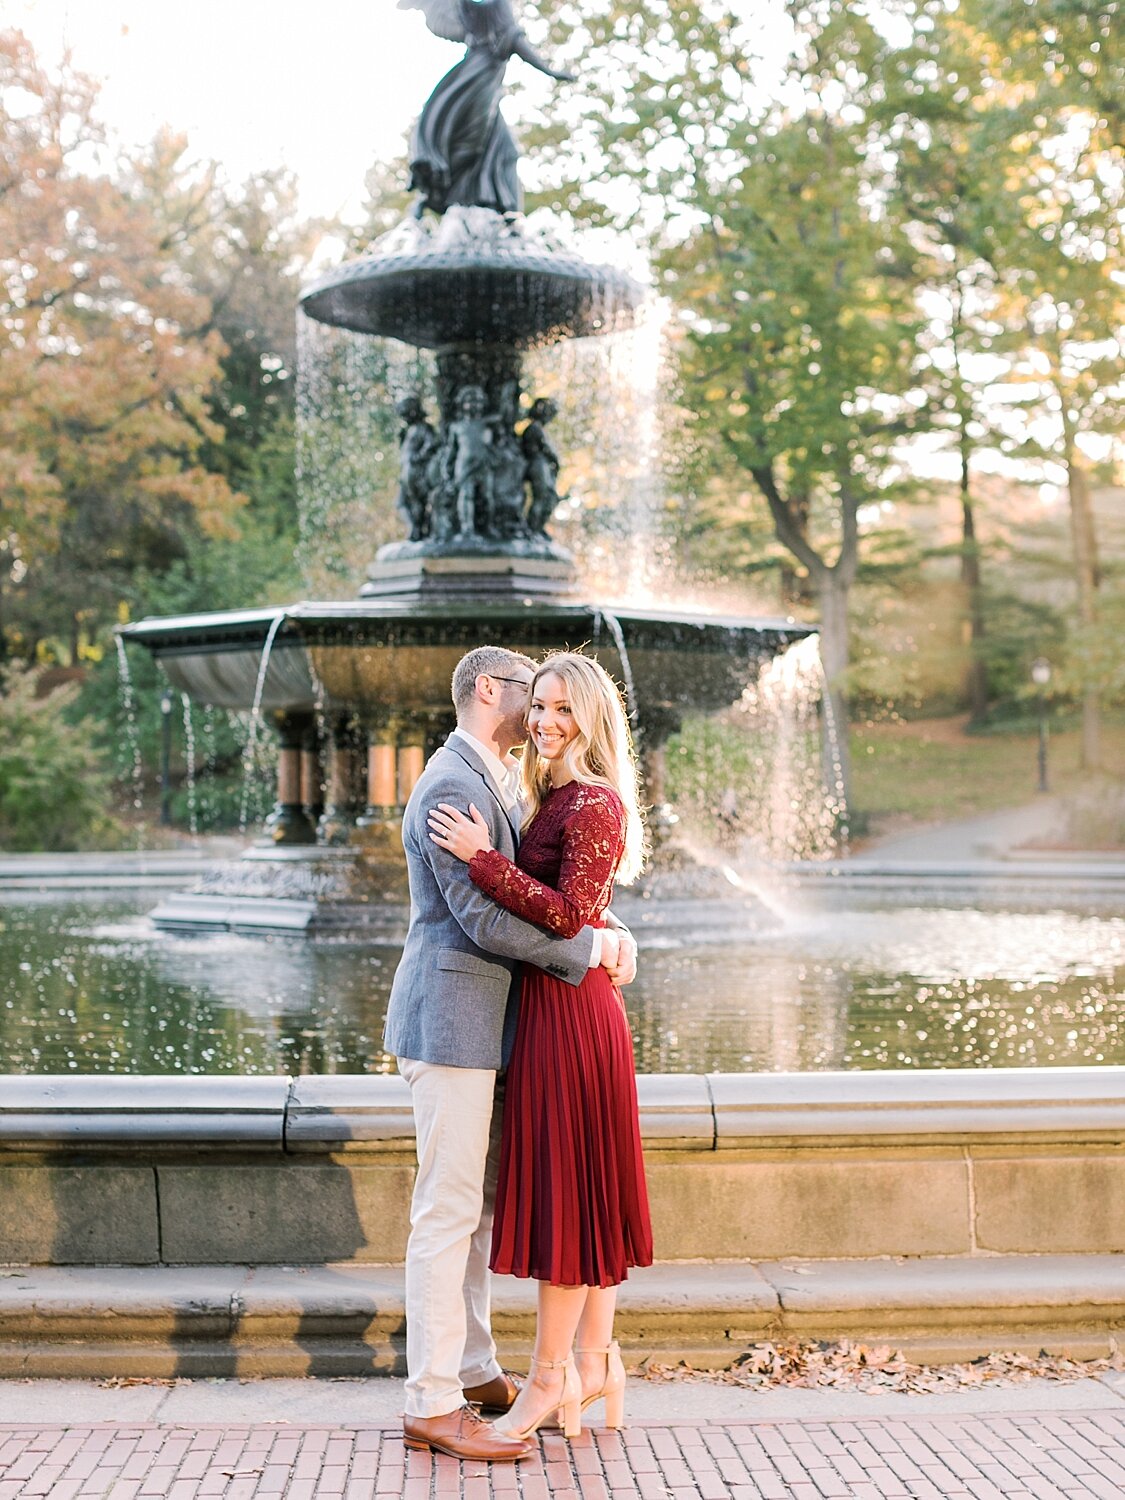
<point>601,753</point>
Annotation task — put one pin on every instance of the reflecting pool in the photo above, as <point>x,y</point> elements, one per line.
<point>846,979</point>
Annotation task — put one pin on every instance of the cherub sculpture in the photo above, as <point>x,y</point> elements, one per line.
<point>542,464</point>
<point>461,150</point>
<point>469,463</point>
<point>417,444</point>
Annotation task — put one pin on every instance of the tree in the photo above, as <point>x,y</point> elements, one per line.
<point>1067,54</point>
<point>1059,266</point>
<point>106,369</point>
<point>949,189</point>
<point>244,250</point>
<point>794,285</point>
<point>54,782</point>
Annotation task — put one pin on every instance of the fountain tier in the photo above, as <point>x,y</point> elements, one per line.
<point>365,685</point>
<point>475,278</point>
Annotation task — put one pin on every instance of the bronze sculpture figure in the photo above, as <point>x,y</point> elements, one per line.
<point>417,444</point>
<point>462,150</point>
<point>542,464</point>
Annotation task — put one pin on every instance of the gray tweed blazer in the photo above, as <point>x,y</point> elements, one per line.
<point>453,1000</point>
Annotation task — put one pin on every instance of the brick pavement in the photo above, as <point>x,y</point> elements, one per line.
<point>1014,1457</point>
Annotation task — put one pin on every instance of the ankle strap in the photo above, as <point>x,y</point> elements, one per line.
<point>550,1364</point>
<point>595,1351</point>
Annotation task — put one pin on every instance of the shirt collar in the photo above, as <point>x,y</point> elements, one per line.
<point>504,775</point>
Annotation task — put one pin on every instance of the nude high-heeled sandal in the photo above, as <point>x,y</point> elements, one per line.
<point>613,1391</point>
<point>568,1407</point>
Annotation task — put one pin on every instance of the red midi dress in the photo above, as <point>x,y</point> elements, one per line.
<point>571,1203</point>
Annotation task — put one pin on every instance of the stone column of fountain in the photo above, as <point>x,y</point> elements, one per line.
<point>464,277</point>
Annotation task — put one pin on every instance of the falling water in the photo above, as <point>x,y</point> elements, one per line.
<point>612,394</point>
<point>750,783</point>
<point>209,760</point>
<point>132,733</point>
<point>189,763</point>
<point>613,625</point>
<point>347,449</point>
<point>248,757</point>
<point>834,761</point>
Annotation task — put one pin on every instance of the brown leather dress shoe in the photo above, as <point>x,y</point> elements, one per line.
<point>462,1434</point>
<point>495,1396</point>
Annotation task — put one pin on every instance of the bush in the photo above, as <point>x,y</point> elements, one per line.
<point>55,787</point>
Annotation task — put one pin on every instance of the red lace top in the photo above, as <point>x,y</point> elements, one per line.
<point>563,875</point>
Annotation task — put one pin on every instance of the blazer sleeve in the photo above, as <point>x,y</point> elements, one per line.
<point>591,851</point>
<point>483,922</point>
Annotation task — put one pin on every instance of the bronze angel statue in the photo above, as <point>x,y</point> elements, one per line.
<point>461,150</point>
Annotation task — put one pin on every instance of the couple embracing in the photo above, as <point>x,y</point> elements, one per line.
<point>507,1022</point>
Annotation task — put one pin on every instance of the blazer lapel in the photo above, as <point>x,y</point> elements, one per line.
<point>473,761</point>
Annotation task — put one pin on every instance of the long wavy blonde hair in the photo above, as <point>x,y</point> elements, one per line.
<point>600,754</point>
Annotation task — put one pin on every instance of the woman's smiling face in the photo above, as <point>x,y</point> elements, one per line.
<point>549,720</point>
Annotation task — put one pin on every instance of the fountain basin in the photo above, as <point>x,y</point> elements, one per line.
<point>369,654</point>
<point>477,278</point>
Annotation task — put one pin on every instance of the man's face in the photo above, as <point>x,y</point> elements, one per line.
<point>513,705</point>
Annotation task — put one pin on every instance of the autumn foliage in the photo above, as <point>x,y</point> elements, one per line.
<point>107,365</point>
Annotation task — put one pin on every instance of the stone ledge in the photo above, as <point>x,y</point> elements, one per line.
<point>350,1320</point>
<point>334,1111</point>
<point>940,1105</point>
<point>723,1111</point>
<point>50,1111</point>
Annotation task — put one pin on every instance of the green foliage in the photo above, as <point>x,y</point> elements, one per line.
<point>55,785</point>
<point>211,576</point>
<point>1019,630</point>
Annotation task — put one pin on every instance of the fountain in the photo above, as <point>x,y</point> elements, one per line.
<point>357,692</point>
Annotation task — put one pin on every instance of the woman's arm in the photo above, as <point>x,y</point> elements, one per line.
<point>591,851</point>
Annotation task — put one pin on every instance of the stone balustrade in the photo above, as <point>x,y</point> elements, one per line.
<point>145,1171</point>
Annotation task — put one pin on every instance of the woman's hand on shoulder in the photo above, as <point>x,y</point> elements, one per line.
<point>457,834</point>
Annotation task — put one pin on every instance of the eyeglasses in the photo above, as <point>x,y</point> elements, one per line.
<point>522,682</point>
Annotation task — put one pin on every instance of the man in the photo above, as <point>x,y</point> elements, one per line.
<point>450,1023</point>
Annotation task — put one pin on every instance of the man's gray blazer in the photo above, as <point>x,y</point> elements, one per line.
<point>453,1000</point>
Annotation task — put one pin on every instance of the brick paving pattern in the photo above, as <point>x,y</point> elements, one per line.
<point>1016,1457</point>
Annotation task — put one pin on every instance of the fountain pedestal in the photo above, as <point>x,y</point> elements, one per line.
<point>416,576</point>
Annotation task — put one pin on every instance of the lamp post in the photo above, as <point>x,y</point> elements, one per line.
<point>1041,676</point>
<point>166,760</point>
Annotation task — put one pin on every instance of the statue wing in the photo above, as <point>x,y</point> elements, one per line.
<point>443,17</point>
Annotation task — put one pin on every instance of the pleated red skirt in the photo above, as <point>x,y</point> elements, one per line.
<point>571,1201</point>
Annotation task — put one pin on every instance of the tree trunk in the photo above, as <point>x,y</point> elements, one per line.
<point>976,678</point>
<point>1088,579</point>
<point>833,594</point>
<point>833,586</point>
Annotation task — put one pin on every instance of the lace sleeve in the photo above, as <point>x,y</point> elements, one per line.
<point>592,843</point>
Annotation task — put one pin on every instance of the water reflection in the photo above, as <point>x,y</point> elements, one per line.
<point>89,987</point>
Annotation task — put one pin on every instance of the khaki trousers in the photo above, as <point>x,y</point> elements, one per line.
<point>449,1344</point>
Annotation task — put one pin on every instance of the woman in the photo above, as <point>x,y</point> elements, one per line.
<point>571,1204</point>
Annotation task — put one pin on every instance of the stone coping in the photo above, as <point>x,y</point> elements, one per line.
<point>713,1112</point>
<point>344,1319</point>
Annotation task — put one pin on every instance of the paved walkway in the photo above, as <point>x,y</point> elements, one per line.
<point>987,836</point>
<point>1034,1442</point>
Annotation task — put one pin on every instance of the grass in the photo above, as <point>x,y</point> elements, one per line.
<point>931,771</point>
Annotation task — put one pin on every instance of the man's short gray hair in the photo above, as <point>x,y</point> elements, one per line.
<point>489,661</point>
